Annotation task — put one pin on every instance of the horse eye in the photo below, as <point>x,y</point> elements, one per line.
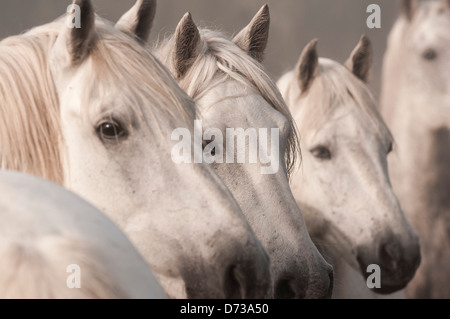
<point>430,55</point>
<point>110,131</point>
<point>321,152</point>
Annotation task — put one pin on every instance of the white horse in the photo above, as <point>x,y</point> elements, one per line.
<point>416,106</point>
<point>232,90</point>
<point>91,109</point>
<point>51,240</point>
<point>343,187</point>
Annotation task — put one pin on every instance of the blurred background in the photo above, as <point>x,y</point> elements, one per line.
<point>337,23</point>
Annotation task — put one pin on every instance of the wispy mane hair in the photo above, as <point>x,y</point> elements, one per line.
<point>30,124</point>
<point>30,133</point>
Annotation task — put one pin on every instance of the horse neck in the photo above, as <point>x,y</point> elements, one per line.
<point>418,173</point>
<point>420,176</point>
<point>425,197</point>
<point>421,179</point>
<point>420,170</point>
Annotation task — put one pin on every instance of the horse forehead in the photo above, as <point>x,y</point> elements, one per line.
<point>232,97</point>
<point>346,121</point>
<point>432,28</point>
<point>432,18</point>
<point>431,9</point>
<point>101,99</point>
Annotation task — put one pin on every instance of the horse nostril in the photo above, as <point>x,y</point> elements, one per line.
<point>283,290</point>
<point>232,285</point>
<point>389,255</point>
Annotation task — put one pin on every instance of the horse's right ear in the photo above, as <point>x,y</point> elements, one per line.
<point>254,37</point>
<point>187,45</point>
<point>138,21</point>
<point>75,42</point>
<point>408,8</point>
<point>308,66</point>
<point>361,59</point>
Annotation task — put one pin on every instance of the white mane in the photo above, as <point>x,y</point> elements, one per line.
<point>30,133</point>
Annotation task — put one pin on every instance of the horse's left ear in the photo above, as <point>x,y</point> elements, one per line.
<point>188,44</point>
<point>307,67</point>
<point>360,61</point>
<point>254,37</point>
<point>138,21</point>
<point>408,8</point>
<point>74,43</point>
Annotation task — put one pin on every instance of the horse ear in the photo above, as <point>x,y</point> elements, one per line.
<point>254,37</point>
<point>138,21</point>
<point>187,45</point>
<point>408,8</point>
<point>75,42</point>
<point>360,60</point>
<point>308,66</point>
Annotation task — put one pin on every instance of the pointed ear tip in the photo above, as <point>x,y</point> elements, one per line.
<point>85,5</point>
<point>265,8</point>
<point>263,14</point>
<point>187,18</point>
<point>87,11</point>
<point>187,24</point>
<point>309,51</point>
<point>146,3</point>
<point>309,48</point>
<point>365,40</point>
<point>312,45</point>
<point>407,7</point>
<point>82,2</point>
